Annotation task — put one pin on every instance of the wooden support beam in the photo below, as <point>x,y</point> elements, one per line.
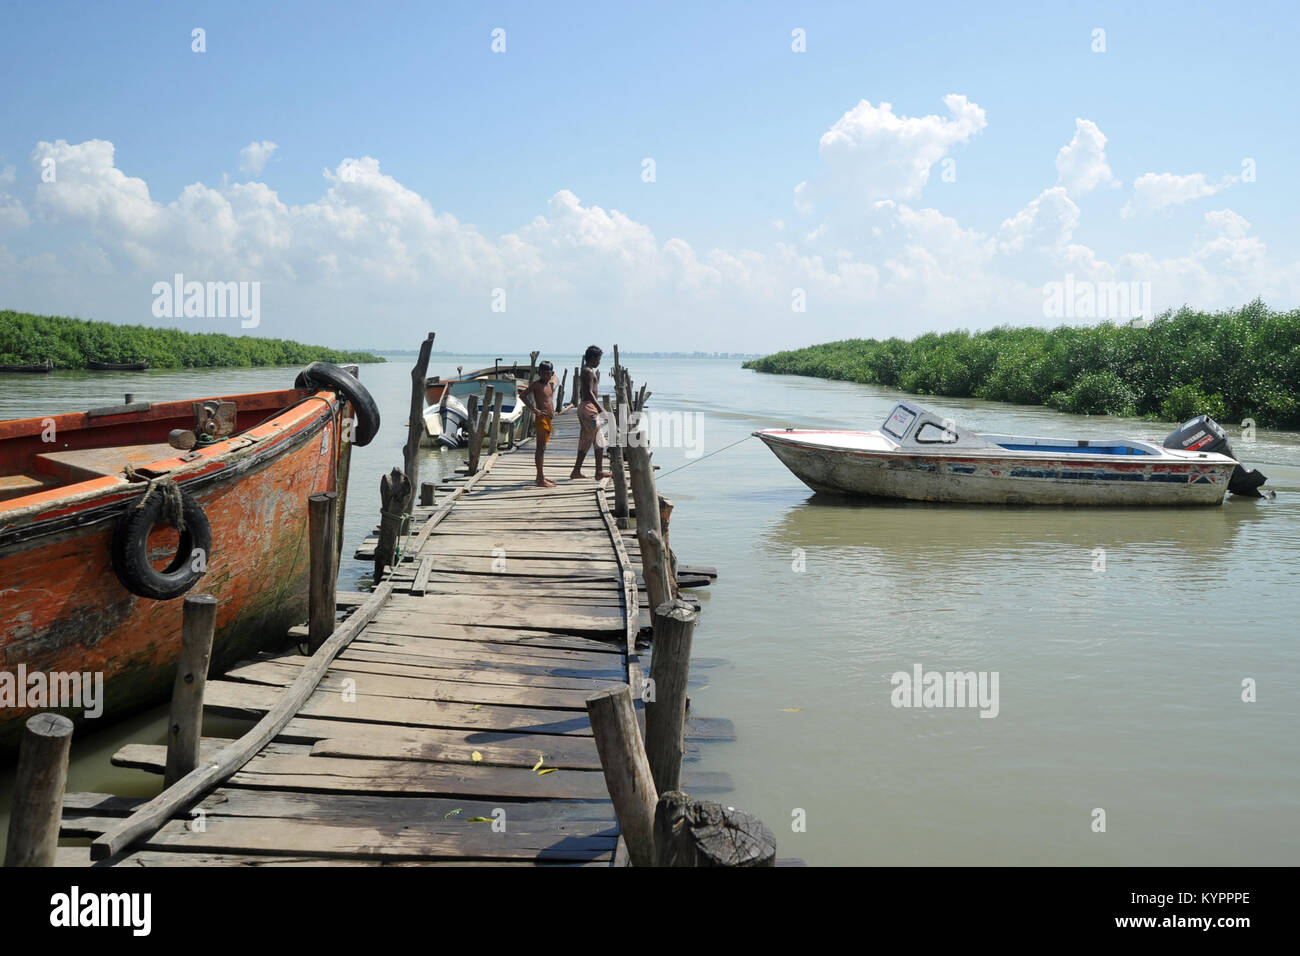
<point>526,426</point>
<point>322,534</point>
<point>665,712</point>
<point>494,442</point>
<point>479,425</point>
<point>393,494</point>
<point>701,833</point>
<point>616,452</point>
<point>185,716</point>
<point>655,566</point>
<point>415,426</point>
<point>627,772</point>
<point>38,791</point>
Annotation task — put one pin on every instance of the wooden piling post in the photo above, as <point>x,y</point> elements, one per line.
<point>185,717</point>
<point>471,421</point>
<point>627,772</point>
<point>701,833</point>
<point>621,512</point>
<point>526,428</point>
<point>427,493</point>
<point>561,393</point>
<point>38,791</point>
<point>665,712</point>
<point>322,530</point>
<point>577,375</point>
<point>617,475</point>
<point>478,424</point>
<point>393,494</point>
<point>665,513</point>
<point>494,442</point>
<point>655,563</point>
<point>415,426</point>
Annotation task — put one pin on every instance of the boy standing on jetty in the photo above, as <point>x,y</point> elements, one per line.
<point>540,397</point>
<point>590,418</point>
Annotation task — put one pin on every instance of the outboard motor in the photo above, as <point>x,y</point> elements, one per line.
<point>1205,434</point>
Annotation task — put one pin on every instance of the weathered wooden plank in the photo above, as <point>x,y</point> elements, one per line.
<point>402,622</point>
<point>342,680</point>
<point>243,700</point>
<point>412,840</point>
<point>411,666</point>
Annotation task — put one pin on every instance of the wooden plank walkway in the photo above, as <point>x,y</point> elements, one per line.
<point>453,728</point>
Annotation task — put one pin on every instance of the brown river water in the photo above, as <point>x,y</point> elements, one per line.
<point>1118,690</point>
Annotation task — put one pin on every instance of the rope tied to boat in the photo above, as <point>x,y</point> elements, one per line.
<point>698,460</point>
<point>173,511</point>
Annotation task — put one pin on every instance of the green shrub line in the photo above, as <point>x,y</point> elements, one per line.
<point>1232,365</point>
<point>27,339</point>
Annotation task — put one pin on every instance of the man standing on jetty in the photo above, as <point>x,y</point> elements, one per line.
<point>540,397</point>
<point>590,419</point>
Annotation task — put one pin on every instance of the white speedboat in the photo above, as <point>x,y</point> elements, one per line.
<point>921,456</point>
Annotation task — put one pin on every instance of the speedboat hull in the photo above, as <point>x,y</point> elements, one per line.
<point>1007,481</point>
<point>918,456</point>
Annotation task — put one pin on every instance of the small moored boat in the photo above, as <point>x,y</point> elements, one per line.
<point>446,417</point>
<point>920,456</point>
<point>117,366</point>
<point>108,515</point>
<point>46,366</point>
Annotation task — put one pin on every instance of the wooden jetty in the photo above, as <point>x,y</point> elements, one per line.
<point>456,713</point>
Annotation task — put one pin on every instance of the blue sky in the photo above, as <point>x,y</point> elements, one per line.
<point>714,94</point>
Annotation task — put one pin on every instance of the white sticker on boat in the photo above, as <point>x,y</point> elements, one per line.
<point>899,422</point>
<point>325,443</point>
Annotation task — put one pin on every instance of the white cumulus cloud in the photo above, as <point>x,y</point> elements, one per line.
<point>873,153</point>
<point>253,157</point>
<point>1081,164</point>
<point>1155,191</point>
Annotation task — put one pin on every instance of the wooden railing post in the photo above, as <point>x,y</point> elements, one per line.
<point>627,772</point>
<point>665,711</point>
<point>322,530</point>
<point>478,424</point>
<point>577,374</point>
<point>559,395</point>
<point>526,428</point>
<point>185,717</point>
<point>700,833</point>
<point>655,564</point>
<point>427,493</point>
<point>393,494</point>
<point>494,442</point>
<point>38,791</point>
<point>415,426</point>
<point>616,453</point>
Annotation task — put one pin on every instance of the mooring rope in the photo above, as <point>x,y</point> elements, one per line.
<point>659,478</point>
<point>173,511</point>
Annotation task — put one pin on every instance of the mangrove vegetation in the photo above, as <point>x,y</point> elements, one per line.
<point>1231,365</point>
<point>73,343</point>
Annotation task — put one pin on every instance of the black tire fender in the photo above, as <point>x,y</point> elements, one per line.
<point>130,549</point>
<point>327,375</point>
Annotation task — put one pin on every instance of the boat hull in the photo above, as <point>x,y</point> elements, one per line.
<point>972,479</point>
<point>64,611</point>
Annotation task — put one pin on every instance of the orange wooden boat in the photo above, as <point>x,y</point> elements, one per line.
<point>91,561</point>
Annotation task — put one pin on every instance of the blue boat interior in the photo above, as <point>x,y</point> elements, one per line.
<point>1078,448</point>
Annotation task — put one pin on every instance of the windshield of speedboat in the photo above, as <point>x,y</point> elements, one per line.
<point>898,422</point>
